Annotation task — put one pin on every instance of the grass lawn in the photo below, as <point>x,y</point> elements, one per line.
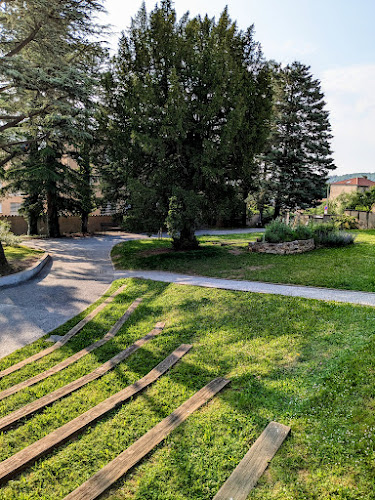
<point>20,258</point>
<point>304,363</point>
<point>352,267</point>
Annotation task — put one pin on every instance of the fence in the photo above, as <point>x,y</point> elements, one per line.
<point>68,224</point>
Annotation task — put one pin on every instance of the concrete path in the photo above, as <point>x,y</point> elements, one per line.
<point>307,292</point>
<point>81,271</point>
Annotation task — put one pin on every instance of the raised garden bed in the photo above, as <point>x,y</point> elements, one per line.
<point>284,248</point>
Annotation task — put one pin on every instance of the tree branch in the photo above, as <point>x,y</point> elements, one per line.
<point>25,41</point>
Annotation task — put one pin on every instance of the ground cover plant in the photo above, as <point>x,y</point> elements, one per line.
<point>304,363</point>
<point>19,258</point>
<point>351,267</point>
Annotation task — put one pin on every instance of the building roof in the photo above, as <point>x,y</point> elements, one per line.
<point>355,181</point>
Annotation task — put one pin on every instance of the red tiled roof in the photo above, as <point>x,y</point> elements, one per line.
<point>355,181</point>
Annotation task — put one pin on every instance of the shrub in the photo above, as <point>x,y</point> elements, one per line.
<point>303,232</point>
<point>325,234</point>
<point>6,235</point>
<point>335,239</point>
<point>346,222</point>
<point>278,232</point>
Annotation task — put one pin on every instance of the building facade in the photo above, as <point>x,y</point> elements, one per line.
<point>350,186</point>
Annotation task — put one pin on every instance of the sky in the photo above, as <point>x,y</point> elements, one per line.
<point>336,38</point>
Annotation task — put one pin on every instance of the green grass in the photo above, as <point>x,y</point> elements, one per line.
<point>20,257</point>
<point>304,363</point>
<point>351,267</point>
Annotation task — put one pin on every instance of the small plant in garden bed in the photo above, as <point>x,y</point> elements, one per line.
<point>323,234</point>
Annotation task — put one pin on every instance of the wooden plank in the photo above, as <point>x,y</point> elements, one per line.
<point>28,455</point>
<point>48,399</point>
<point>75,357</point>
<point>103,479</point>
<point>249,470</point>
<point>77,328</point>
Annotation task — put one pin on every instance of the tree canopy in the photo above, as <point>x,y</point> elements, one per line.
<point>188,107</point>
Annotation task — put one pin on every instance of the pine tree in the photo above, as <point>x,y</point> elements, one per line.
<point>299,156</point>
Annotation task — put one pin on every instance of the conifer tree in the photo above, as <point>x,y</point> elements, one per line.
<point>48,75</point>
<point>299,157</point>
<point>177,100</point>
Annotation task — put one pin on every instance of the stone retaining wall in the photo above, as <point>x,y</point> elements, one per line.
<point>285,248</point>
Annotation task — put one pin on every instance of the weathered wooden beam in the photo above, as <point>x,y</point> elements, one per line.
<point>75,357</point>
<point>28,455</point>
<point>77,328</point>
<point>250,469</point>
<point>103,479</point>
<point>48,399</point>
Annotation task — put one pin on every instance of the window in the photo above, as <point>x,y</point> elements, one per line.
<point>14,208</point>
<point>1,208</point>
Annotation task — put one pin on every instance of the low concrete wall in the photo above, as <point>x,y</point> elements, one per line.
<point>68,224</point>
<point>22,276</point>
<point>366,220</point>
<point>285,248</point>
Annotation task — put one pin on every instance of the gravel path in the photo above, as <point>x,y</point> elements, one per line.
<point>81,271</point>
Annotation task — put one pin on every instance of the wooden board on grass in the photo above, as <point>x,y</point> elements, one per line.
<point>28,455</point>
<point>75,357</point>
<point>107,476</point>
<point>48,399</point>
<point>250,469</point>
<point>77,328</point>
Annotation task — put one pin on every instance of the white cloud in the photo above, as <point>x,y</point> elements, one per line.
<point>350,98</point>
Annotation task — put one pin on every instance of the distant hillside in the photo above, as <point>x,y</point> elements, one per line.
<point>338,178</point>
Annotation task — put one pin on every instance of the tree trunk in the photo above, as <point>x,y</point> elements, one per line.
<point>53,229</point>
<point>277,210</point>
<point>33,211</point>
<point>32,224</point>
<point>186,240</point>
<point>245,194</point>
<point>84,222</point>
<point>3,260</point>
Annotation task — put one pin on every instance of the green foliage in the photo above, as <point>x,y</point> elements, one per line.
<point>363,200</point>
<point>328,235</point>
<point>302,232</point>
<point>278,232</point>
<point>47,50</point>
<point>334,239</point>
<point>186,107</point>
<point>6,235</point>
<point>324,234</point>
<point>346,222</point>
<point>299,155</point>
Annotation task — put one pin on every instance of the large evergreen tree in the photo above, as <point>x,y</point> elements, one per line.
<point>178,99</point>
<point>49,61</point>
<point>299,156</point>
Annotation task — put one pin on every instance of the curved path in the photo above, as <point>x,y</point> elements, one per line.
<point>81,271</point>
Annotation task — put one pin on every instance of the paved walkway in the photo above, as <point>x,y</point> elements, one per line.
<point>307,292</point>
<point>81,271</point>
